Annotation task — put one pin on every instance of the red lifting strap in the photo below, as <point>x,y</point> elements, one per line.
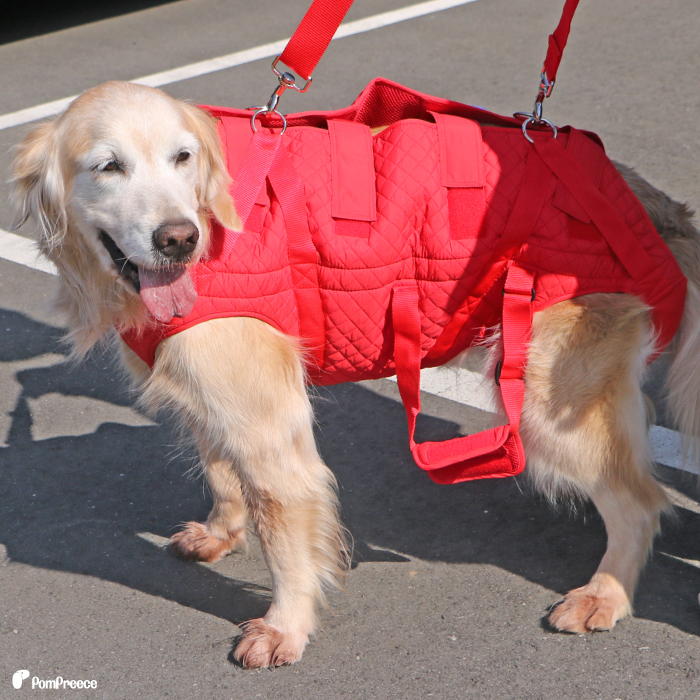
<point>310,41</point>
<point>558,39</point>
<point>497,452</point>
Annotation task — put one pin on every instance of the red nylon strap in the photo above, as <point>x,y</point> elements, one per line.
<point>257,161</point>
<point>303,257</point>
<point>523,218</point>
<point>265,158</point>
<point>310,41</point>
<point>353,178</point>
<point>518,303</point>
<point>532,192</point>
<point>558,39</point>
<point>290,193</point>
<point>626,246</point>
<point>255,166</point>
<point>461,151</point>
<point>497,452</point>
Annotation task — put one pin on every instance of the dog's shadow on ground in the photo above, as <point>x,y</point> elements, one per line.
<point>390,504</point>
<point>84,503</point>
<point>78,503</point>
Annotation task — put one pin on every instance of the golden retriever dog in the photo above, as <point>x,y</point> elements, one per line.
<point>126,167</point>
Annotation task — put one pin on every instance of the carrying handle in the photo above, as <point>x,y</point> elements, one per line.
<point>315,32</point>
<point>459,459</point>
<point>555,49</point>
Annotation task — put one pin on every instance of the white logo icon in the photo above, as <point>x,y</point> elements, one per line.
<point>18,677</point>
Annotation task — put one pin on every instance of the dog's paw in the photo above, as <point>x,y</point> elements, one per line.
<point>596,606</point>
<point>263,645</point>
<point>195,542</point>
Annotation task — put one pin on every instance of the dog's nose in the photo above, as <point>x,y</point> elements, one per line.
<point>176,239</point>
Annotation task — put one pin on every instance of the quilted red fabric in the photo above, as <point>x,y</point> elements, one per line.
<point>437,217</point>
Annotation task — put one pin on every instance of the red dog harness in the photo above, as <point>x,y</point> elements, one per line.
<point>393,252</point>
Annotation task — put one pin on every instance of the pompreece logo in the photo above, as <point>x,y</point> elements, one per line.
<point>58,683</point>
<point>18,677</point>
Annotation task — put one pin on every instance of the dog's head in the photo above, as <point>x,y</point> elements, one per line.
<point>136,176</point>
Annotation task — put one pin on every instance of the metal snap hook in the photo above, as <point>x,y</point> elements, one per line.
<point>535,117</point>
<point>286,81</point>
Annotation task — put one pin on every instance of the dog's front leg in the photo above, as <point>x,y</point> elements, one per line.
<point>225,528</point>
<point>239,385</point>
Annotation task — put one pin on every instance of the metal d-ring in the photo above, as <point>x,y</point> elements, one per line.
<point>532,119</point>
<point>265,110</point>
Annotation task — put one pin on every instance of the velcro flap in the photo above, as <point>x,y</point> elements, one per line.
<point>462,172</point>
<point>461,151</point>
<point>353,180</point>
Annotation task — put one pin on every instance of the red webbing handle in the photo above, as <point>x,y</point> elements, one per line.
<point>460,459</point>
<point>266,158</point>
<point>557,41</point>
<point>303,258</point>
<point>310,41</point>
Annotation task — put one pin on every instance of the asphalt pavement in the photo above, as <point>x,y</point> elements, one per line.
<point>450,585</point>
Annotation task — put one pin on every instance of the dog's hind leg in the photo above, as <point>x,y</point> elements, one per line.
<point>225,528</point>
<point>585,433</point>
<point>239,385</point>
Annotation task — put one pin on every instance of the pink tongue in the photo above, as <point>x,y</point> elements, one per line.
<point>167,292</point>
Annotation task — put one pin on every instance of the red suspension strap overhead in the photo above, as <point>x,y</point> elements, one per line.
<point>557,41</point>
<point>310,41</point>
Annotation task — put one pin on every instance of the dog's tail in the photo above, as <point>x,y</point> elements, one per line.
<point>683,379</point>
<point>674,222</point>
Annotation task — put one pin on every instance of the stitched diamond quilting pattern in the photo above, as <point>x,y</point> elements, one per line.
<point>341,303</point>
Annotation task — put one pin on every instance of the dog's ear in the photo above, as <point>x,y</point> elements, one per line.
<point>38,184</point>
<point>214,180</point>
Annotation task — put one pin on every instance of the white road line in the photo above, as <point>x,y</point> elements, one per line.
<point>157,540</point>
<point>48,109</point>
<point>24,251</point>
<point>668,449</point>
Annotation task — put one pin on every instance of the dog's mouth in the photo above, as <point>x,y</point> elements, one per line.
<point>166,291</point>
<point>126,268</point>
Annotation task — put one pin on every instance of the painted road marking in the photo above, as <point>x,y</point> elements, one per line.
<point>24,251</point>
<point>239,58</point>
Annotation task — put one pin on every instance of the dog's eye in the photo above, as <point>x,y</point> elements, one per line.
<point>112,166</point>
<point>183,157</point>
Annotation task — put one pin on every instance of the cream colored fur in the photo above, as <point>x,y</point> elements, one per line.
<point>238,385</point>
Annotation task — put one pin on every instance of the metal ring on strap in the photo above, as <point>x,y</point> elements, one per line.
<point>265,110</point>
<point>532,119</point>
